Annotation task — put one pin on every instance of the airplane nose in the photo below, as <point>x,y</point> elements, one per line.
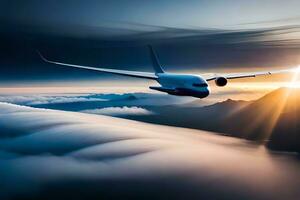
<point>205,92</point>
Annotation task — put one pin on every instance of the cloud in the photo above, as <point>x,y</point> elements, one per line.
<point>33,100</point>
<point>117,111</point>
<point>48,154</point>
<point>136,98</point>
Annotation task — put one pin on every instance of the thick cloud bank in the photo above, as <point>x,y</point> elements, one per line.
<point>47,154</point>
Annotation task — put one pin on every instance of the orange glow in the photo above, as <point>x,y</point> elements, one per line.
<point>268,116</point>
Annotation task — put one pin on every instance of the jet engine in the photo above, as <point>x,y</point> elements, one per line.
<point>221,81</point>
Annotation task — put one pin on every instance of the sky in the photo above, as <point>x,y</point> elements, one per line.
<point>195,36</point>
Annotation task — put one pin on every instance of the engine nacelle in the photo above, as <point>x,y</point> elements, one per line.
<point>221,81</point>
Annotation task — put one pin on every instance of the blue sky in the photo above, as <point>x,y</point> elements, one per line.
<point>175,13</point>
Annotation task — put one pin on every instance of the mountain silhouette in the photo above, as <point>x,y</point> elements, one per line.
<point>273,119</point>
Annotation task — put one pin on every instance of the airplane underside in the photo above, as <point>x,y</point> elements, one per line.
<point>181,91</point>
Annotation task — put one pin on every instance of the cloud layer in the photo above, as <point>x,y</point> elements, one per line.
<point>47,154</point>
<point>117,111</point>
<point>32,100</point>
<point>108,100</point>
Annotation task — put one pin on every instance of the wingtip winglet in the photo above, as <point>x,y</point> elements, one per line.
<point>41,56</point>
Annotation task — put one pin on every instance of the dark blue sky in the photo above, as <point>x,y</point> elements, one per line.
<point>193,35</point>
<point>174,13</point>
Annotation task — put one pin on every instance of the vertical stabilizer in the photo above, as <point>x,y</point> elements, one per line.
<point>155,62</point>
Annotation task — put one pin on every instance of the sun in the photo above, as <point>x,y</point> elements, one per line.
<point>295,83</point>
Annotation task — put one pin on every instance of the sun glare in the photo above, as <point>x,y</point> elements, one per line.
<point>278,105</point>
<point>294,83</point>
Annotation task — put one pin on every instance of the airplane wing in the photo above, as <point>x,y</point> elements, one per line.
<point>210,77</point>
<point>145,75</point>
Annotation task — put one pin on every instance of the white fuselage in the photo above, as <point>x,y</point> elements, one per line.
<point>182,85</point>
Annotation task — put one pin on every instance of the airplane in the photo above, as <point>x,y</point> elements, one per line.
<point>172,83</point>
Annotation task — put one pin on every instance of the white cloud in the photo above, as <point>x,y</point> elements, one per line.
<point>45,99</point>
<point>117,111</point>
<point>134,99</point>
<point>48,154</point>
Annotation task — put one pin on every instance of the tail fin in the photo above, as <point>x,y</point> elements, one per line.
<point>155,62</point>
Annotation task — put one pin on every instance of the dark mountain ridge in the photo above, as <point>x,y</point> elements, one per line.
<point>273,119</point>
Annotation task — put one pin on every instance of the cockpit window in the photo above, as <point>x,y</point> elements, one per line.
<point>200,84</point>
